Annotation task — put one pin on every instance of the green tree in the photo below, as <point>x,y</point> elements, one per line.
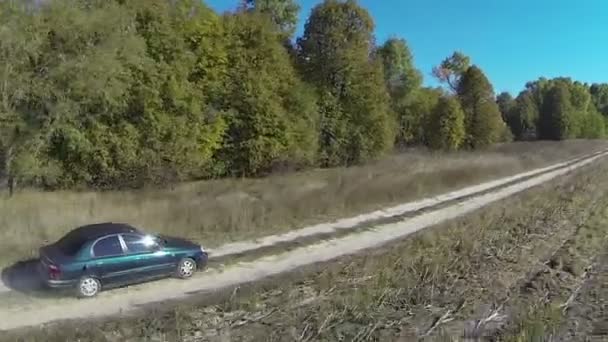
<point>127,95</point>
<point>334,56</point>
<point>402,78</point>
<point>599,96</point>
<point>593,125</point>
<point>414,115</point>
<point>403,82</point>
<point>88,87</point>
<point>283,13</point>
<point>451,69</point>
<point>506,104</point>
<point>523,118</point>
<point>446,125</point>
<point>555,115</point>
<point>581,108</point>
<point>538,89</point>
<point>272,116</point>
<point>483,122</point>
<point>19,45</point>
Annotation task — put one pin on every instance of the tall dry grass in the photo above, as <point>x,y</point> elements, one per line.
<point>215,212</point>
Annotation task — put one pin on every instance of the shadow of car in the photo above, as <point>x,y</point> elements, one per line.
<point>22,276</point>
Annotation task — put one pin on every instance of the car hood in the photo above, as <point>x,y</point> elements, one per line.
<point>175,242</point>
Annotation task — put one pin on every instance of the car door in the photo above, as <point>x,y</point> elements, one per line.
<point>111,264</point>
<point>149,256</point>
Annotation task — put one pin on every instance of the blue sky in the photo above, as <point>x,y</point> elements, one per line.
<point>513,41</point>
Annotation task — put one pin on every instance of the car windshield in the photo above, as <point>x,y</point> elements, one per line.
<point>70,244</point>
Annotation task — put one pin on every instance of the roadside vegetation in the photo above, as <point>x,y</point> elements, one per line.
<point>221,211</point>
<point>124,94</point>
<point>440,283</point>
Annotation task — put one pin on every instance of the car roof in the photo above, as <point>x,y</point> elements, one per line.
<point>97,230</point>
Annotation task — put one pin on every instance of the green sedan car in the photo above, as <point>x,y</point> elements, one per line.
<point>108,255</point>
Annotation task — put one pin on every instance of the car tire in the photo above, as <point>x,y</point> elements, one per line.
<point>185,268</point>
<point>88,287</point>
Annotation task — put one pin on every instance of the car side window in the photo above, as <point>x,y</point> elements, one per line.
<point>109,246</point>
<point>139,243</point>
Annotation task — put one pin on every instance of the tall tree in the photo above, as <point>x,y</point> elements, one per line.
<point>20,46</point>
<point>446,129</point>
<point>87,92</point>
<point>506,103</point>
<point>272,116</point>
<point>555,115</point>
<point>451,69</point>
<point>599,96</point>
<point>403,82</point>
<point>483,120</point>
<point>134,107</point>
<point>335,56</point>
<point>538,90</point>
<point>402,78</point>
<point>413,116</point>
<point>580,99</point>
<point>593,125</point>
<point>524,116</point>
<point>283,13</point>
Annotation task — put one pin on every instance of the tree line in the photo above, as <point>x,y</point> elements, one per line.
<point>557,109</point>
<point>123,93</point>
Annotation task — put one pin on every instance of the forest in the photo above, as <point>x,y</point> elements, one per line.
<point>110,94</point>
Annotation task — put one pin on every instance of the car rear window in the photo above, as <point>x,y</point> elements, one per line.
<point>70,244</point>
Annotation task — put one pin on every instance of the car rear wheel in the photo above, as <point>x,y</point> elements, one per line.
<point>88,287</point>
<point>186,268</point>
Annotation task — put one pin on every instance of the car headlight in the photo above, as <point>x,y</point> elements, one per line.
<point>203,249</point>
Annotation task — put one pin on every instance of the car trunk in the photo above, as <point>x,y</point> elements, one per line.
<point>51,260</point>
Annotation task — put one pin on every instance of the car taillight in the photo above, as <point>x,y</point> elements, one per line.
<point>54,272</point>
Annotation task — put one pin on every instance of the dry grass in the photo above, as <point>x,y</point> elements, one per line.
<point>586,316</point>
<point>543,306</point>
<point>390,294</point>
<point>216,212</point>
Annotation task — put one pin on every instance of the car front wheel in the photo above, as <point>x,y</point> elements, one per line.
<point>88,287</point>
<point>186,268</point>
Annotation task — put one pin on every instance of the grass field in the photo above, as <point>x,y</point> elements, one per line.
<point>215,212</point>
<point>435,283</point>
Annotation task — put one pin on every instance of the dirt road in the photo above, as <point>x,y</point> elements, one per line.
<point>41,310</point>
<point>347,224</point>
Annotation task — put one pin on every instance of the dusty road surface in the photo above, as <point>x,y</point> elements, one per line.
<point>33,311</point>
